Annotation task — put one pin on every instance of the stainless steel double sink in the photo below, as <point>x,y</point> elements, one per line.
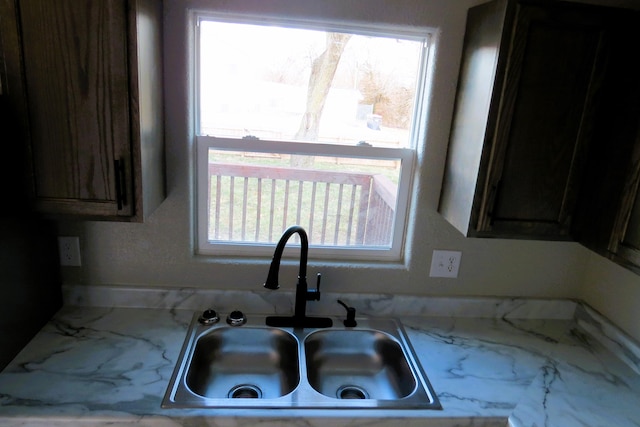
<point>371,365</point>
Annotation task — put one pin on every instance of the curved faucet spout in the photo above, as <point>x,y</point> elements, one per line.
<point>303,294</point>
<point>272,277</point>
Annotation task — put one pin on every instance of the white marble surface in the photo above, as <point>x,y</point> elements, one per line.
<point>510,362</point>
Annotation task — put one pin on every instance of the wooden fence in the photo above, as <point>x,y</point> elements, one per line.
<point>257,203</point>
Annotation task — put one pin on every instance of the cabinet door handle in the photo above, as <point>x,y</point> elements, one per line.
<point>121,188</point>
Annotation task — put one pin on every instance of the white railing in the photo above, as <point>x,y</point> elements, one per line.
<point>257,203</point>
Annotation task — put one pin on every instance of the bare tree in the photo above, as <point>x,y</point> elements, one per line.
<point>390,98</point>
<point>323,70</point>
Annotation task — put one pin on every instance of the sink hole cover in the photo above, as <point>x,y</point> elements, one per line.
<point>245,391</point>
<point>352,392</point>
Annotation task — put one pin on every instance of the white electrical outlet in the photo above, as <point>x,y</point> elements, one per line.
<point>69,250</point>
<point>445,263</point>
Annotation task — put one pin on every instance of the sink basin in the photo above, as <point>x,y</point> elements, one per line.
<point>244,363</point>
<point>256,366</point>
<point>358,364</point>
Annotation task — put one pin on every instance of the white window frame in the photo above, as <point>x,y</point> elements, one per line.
<point>394,252</point>
<point>407,156</point>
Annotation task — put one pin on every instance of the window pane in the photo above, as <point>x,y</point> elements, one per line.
<point>307,127</point>
<point>340,200</point>
<point>255,80</point>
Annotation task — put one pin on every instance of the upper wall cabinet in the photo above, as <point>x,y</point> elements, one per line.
<point>529,94</point>
<point>86,79</point>
<point>624,244</point>
<point>612,227</point>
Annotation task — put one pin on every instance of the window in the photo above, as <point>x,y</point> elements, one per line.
<point>307,124</point>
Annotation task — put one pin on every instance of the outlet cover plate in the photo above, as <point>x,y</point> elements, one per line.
<point>69,250</point>
<point>445,263</point>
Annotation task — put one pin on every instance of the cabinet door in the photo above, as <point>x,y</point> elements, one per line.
<point>553,74</point>
<point>626,246</point>
<point>76,76</point>
<point>527,95</point>
<point>624,241</point>
<point>15,185</point>
<point>606,220</point>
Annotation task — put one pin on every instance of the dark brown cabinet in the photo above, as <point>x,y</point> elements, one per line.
<point>607,219</point>
<point>614,229</point>
<point>624,245</point>
<point>86,78</point>
<point>533,80</point>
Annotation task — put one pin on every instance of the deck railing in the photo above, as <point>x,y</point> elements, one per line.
<point>257,203</point>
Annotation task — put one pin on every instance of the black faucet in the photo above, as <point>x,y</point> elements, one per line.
<point>299,318</point>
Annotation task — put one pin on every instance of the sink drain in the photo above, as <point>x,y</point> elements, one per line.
<point>351,392</point>
<point>245,391</point>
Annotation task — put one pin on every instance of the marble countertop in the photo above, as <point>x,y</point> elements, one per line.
<point>517,363</point>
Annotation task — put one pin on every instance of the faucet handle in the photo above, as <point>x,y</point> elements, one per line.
<point>314,294</point>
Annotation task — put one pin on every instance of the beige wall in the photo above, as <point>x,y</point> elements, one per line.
<point>615,292</point>
<point>160,252</point>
